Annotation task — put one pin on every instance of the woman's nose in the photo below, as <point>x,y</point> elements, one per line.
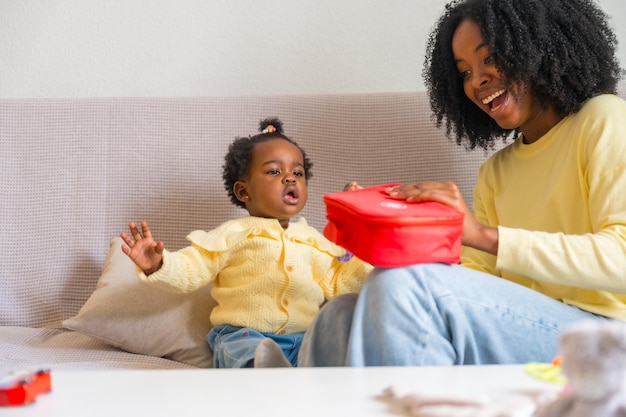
<point>479,78</point>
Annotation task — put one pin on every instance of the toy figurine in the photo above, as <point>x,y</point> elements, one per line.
<point>415,405</point>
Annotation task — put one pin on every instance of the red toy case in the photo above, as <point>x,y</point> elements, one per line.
<point>392,233</point>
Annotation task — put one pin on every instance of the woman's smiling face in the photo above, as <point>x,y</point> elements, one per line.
<point>485,86</point>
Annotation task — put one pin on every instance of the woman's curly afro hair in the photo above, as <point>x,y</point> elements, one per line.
<point>563,49</point>
<point>239,156</point>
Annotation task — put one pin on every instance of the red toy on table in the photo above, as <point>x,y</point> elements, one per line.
<point>19,388</point>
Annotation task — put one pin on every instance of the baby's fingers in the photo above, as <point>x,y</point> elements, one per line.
<point>134,231</point>
<point>159,247</point>
<point>146,230</point>
<point>351,186</point>
<point>126,249</point>
<point>126,238</point>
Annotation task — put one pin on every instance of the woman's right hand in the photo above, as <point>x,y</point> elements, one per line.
<point>142,249</point>
<point>475,234</point>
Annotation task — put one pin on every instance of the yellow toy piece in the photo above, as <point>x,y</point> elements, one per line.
<point>550,372</point>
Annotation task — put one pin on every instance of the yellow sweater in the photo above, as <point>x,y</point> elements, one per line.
<point>560,208</point>
<point>264,277</point>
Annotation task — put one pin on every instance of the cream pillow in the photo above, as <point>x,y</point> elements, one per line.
<point>144,318</point>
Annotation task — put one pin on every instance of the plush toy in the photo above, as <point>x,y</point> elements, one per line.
<point>593,362</point>
<point>593,359</point>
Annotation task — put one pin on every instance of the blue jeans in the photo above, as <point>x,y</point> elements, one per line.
<point>233,347</point>
<point>436,314</point>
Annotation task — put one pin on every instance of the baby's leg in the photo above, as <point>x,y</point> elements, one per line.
<point>233,347</point>
<point>269,355</point>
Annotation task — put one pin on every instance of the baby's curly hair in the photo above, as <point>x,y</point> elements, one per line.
<point>239,156</point>
<point>563,49</point>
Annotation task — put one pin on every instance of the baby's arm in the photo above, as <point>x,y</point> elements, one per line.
<point>142,249</point>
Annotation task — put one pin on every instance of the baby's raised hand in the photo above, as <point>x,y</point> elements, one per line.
<point>142,249</point>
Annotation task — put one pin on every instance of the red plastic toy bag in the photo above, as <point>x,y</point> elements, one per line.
<point>391,233</point>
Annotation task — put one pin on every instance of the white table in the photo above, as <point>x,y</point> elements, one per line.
<point>303,392</point>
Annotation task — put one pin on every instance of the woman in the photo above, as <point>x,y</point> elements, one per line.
<point>545,245</point>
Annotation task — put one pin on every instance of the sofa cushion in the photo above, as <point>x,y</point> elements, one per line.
<point>25,348</point>
<point>144,318</point>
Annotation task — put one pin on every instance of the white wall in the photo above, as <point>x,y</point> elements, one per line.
<point>91,48</point>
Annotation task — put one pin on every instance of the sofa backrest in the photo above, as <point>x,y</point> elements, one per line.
<point>74,172</point>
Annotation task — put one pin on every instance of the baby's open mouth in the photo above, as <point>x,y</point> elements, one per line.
<point>291,195</point>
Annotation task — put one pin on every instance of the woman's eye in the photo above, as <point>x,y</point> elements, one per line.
<point>464,75</point>
<point>491,59</point>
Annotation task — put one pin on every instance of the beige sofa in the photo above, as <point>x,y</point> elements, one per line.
<point>74,172</point>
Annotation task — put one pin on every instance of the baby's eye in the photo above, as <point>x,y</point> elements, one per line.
<point>273,172</point>
<point>298,173</point>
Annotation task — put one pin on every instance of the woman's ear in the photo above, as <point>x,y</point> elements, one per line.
<point>241,191</point>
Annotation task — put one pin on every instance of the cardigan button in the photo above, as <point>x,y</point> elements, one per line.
<point>289,268</point>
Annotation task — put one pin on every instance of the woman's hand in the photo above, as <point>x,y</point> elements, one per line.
<point>142,249</point>
<point>475,235</point>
